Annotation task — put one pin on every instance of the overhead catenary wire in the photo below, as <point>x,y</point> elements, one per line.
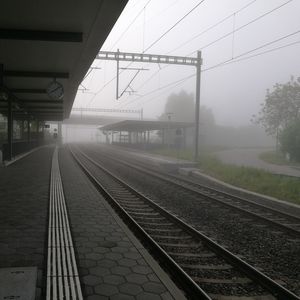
<point>213,26</point>
<point>226,35</point>
<point>174,25</point>
<point>131,23</point>
<point>244,26</point>
<point>183,80</point>
<point>229,61</point>
<point>122,35</point>
<point>211,43</point>
<point>150,46</point>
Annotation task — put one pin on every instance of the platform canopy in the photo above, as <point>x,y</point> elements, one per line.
<point>141,125</point>
<point>50,40</point>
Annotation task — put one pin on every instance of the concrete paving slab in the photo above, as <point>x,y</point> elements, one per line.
<point>18,283</point>
<point>112,262</point>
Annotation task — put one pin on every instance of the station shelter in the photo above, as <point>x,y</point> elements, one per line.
<point>147,133</point>
<point>46,49</point>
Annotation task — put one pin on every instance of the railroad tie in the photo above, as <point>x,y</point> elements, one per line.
<point>62,275</point>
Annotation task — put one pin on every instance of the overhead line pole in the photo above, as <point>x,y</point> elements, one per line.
<point>117,87</point>
<point>197,105</point>
<point>163,59</point>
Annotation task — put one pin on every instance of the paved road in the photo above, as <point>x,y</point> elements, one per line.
<point>250,157</point>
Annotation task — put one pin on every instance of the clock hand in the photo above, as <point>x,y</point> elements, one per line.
<point>59,87</point>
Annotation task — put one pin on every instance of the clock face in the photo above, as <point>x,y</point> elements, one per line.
<point>55,90</point>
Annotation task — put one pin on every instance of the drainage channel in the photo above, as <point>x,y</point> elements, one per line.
<point>62,275</point>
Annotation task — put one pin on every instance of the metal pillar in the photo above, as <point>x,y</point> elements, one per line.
<point>22,129</point>
<point>9,129</point>
<point>197,104</point>
<point>1,74</point>
<point>28,129</point>
<point>129,137</point>
<point>59,132</point>
<point>169,114</point>
<point>142,114</point>
<point>117,87</point>
<point>37,130</point>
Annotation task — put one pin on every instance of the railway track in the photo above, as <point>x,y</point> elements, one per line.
<point>203,268</point>
<point>282,221</point>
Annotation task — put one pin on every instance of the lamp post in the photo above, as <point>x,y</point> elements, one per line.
<point>169,115</point>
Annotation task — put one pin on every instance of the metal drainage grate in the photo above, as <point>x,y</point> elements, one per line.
<point>62,275</point>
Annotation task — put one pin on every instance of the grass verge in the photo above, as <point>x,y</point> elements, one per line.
<point>252,179</point>
<point>272,157</point>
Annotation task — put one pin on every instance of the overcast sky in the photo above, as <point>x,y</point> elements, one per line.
<point>233,91</point>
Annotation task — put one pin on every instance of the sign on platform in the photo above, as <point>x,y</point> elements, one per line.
<point>18,283</point>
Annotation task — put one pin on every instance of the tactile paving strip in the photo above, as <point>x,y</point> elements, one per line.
<point>62,275</point>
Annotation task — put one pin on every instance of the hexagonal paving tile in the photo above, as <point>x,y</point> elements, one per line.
<point>106,263</point>
<point>130,288</point>
<point>107,244</point>
<point>87,290</point>
<point>136,278</point>
<point>147,296</point>
<point>142,262</point>
<point>119,249</point>
<point>125,244</point>
<point>97,297</point>
<point>94,256</point>
<point>153,277</point>
<point>142,270</point>
<point>87,263</point>
<point>121,297</point>
<point>113,256</point>
<point>101,250</point>
<point>132,255</point>
<point>106,289</point>
<point>83,250</point>
<point>127,262</point>
<point>113,239</point>
<point>120,270</point>
<point>91,244</point>
<point>114,279</point>
<point>83,271</point>
<point>92,280</point>
<point>154,287</point>
<point>99,271</point>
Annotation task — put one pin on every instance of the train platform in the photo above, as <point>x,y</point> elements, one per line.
<point>24,192</point>
<point>111,262</point>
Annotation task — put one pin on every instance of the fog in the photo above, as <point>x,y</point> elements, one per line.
<point>234,91</point>
<point>263,50</point>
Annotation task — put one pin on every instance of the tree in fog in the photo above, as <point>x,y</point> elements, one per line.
<point>280,108</point>
<point>290,140</point>
<point>181,108</point>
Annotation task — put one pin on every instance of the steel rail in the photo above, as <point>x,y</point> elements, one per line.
<point>260,278</point>
<point>165,178</point>
<point>195,292</point>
